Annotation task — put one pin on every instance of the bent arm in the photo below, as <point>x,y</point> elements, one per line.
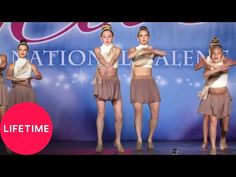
<point>115,57</point>
<point>100,58</point>
<point>3,59</point>
<point>37,74</point>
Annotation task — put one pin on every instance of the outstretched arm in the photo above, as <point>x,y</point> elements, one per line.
<point>229,62</point>
<point>199,65</point>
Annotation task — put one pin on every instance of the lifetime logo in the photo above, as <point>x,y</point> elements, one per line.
<point>26,128</point>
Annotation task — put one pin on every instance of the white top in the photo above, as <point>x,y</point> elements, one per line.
<point>148,58</point>
<point>105,52</point>
<point>20,62</point>
<point>222,80</point>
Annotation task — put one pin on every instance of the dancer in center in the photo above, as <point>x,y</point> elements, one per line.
<point>143,88</point>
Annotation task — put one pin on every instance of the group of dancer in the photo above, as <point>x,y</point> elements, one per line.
<point>20,73</point>
<point>143,88</point>
<point>215,97</point>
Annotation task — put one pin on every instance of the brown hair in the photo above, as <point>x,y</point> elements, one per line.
<point>143,28</point>
<point>23,42</point>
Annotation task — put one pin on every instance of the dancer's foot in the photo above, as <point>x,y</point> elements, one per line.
<point>119,147</point>
<point>223,146</point>
<point>204,145</point>
<point>138,146</point>
<point>150,145</point>
<point>99,148</point>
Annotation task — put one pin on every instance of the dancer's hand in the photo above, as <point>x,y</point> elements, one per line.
<point>225,68</point>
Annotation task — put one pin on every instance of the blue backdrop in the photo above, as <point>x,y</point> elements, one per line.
<point>64,54</point>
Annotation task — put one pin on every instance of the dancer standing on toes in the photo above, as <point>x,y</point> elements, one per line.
<point>107,85</point>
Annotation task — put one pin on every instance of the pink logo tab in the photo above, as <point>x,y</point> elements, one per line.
<point>26,128</point>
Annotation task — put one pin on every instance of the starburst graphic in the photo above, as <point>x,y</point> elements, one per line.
<point>80,78</point>
<point>46,80</point>
<point>158,77</point>
<point>66,86</point>
<point>197,84</point>
<point>57,84</point>
<point>179,80</point>
<point>161,81</point>
<point>34,84</point>
<point>61,77</point>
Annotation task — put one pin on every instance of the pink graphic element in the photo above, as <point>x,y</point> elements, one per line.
<point>84,26</point>
<point>26,128</point>
<point>131,23</point>
<point>17,29</point>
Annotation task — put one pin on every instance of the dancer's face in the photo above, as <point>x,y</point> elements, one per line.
<point>143,37</point>
<point>107,37</point>
<point>217,55</point>
<point>22,51</point>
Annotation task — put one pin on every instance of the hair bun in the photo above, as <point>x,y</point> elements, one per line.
<point>214,41</point>
<point>106,27</point>
<point>23,41</point>
<point>143,28</point>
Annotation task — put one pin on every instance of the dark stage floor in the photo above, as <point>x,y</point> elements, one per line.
<point>161,148</point>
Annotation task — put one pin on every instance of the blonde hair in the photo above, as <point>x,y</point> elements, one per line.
<point>107,27</point>
<point>215,43</point>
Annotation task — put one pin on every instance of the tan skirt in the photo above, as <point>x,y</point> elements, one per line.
<point>218,105</point>
<point>3,92</point>
<point>144,90</point>
<point>20,94</point>
<point>107,89</point>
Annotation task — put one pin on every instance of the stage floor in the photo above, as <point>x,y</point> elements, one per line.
<point>161,148</point>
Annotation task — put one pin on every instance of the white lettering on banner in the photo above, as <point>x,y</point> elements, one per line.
<point>82,57</point>
<point>78,58</point>
<point>21,128</point>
